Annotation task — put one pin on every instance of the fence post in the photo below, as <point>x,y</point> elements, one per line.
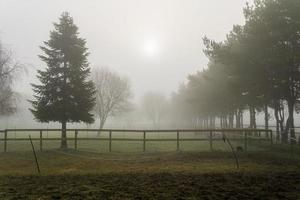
<point>75,142</point>
<point>41,140</point>
<point>5,140</point>
<point>210,141</point>
<point>144,141</point>
<point>245,140</point>
<point>109,141</point>
<point>177,140</point>
<point>35,157</point>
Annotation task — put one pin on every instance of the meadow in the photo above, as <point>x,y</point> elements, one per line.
<point>161,172</point>
<point>168,175</point>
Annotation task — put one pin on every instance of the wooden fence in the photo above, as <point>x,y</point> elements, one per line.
<point>260,134</point>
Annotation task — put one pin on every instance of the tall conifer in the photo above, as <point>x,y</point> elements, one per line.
<point>65,93</point>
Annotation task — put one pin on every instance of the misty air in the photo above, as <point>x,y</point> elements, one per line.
<point>136,99</point>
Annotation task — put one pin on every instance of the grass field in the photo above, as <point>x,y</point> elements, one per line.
<point>272,174</point>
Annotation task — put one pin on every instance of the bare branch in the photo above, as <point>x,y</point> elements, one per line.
<point>112,93</point>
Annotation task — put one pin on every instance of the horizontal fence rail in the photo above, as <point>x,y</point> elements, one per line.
<point>76,135</point>
<point>143,130</point>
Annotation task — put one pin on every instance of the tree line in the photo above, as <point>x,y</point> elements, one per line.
<point>255,69</point>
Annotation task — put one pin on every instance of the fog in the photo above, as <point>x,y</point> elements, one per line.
<point>149,99</point>
<point>156,44</point>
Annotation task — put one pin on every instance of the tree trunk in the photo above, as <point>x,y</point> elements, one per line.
<point>64,135</point>
<point>276,110</point>
<point>221,121</point>
<point>281,117</point>
<point>284,134</point>
<point>241,115</point>
<point>291,105</point>
<point>100,126</point>
<point>252,117</point>
<point>266,117</point>
<point>237,119</point>
<point>231,119</point>
<point>252,120</point>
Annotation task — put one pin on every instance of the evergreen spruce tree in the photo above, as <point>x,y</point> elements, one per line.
<point>65,93</point>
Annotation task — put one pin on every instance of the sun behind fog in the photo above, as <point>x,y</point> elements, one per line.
<point>151,47</point>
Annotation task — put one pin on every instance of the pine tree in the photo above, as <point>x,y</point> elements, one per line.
<point>65,93</point>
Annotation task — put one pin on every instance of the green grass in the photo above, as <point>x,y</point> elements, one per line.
<point>57,161</point>
<point>160,173</point>
<point>175,175</point>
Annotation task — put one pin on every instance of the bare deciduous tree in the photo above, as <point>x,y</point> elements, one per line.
<point>8,69</point>
<point>112,94</point>
<point>155,107</point>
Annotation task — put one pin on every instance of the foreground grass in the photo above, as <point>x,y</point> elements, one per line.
<point>56,162</point>
<point>184,175</point>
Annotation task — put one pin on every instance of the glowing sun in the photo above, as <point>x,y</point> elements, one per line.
<point>151,47</point>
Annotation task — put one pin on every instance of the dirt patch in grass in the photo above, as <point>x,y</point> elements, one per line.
<point>153,186</point>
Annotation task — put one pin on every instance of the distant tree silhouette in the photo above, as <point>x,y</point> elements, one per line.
<point>155,106</point>
<point>112,94</point>
<point>8,71</point>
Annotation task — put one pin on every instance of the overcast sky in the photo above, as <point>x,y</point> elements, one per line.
<point>155,43</point>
